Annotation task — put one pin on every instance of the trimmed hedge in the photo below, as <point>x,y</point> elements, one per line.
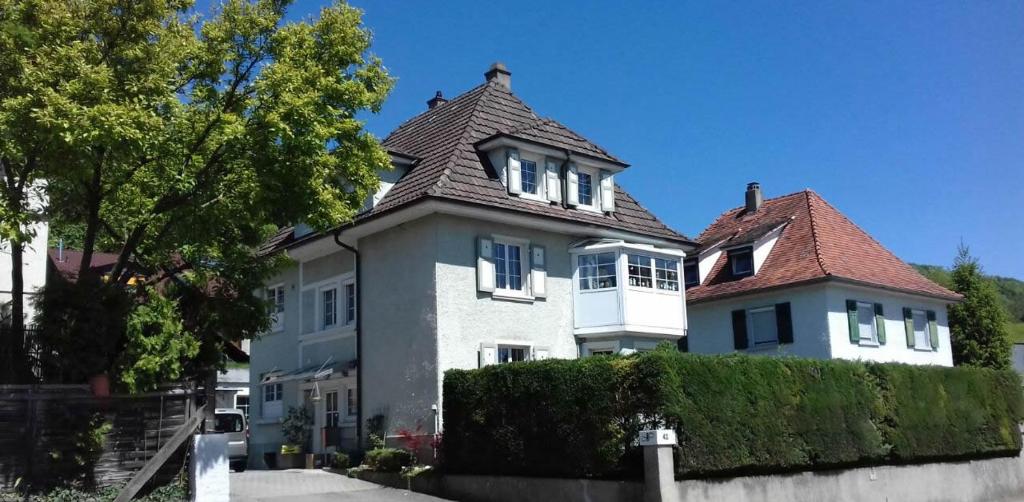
<point>388,459</point>
<point>734,414</point>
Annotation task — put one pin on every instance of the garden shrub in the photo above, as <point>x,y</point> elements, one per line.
<point>387,459</point>
<point>734,414</point>
<point>340,460</point>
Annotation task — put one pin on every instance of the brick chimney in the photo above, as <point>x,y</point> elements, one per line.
<point>436,101</point>
<point>754,197</point>
<point>499,74</point>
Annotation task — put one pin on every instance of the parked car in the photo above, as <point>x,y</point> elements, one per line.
<point>231,421</point>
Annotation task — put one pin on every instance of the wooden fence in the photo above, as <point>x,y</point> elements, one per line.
<point>43,426</point>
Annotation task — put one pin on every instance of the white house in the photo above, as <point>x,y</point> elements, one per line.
<point>792,275</point>
<point>33,264</point>
<point>499,236</point>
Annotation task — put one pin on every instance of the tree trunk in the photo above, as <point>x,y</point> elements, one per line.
<point>17,286</point>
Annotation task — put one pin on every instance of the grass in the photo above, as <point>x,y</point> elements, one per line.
<point>1017,332</point>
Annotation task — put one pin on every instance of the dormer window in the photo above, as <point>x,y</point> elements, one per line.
<point>691,273</point>
<point>586,187</point>
<point>741,261</point>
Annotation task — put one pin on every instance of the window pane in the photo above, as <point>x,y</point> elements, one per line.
<point>667,273</point>
<point>500,272</point>
<point>350,303</point>
<point>639,271</point>
<point>227,422</point>
<point>691,274</point>
<point>529,176</point>
<point>330,297</point>
<point>515,268</point>
<point>742,262</point>
<point>762,323</point>
<point>597,271</point>
<point>866,321</point>
<point>586,189</point>
<point>921,339</point>
<point>352,402</point>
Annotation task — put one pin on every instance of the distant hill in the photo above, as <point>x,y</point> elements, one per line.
<point>1010,289</point>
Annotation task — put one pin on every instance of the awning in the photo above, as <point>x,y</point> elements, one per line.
<point>318,371</point>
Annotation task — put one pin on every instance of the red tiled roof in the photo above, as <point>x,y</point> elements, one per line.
<point>67,264</point>
<point>818,243</point>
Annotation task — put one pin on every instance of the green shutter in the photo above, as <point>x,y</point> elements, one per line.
<point>880,323</point>
<point>908,325</point>
<point>933,330</point>
<point>851,317</point>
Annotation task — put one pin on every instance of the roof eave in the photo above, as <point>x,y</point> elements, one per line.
<point>825,278</point>
<point>495,140</point>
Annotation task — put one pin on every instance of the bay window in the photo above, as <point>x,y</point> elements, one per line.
<point>597,271</point>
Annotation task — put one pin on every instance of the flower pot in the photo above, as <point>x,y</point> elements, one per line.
<point>291,460</point>
<point>100,385</point>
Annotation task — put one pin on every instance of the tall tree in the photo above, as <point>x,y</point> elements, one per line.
<point>978,324</point>
<point>186,142</point>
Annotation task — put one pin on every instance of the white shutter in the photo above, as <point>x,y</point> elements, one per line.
<point>485,265</point>
<point>607,192</point>
<point>572,186</point>
<point>554,182</point>
<point>515,173</point>
<point>538,272</point>
<point>541,353</point>
<point>308,311</point>
<point>488,354</point>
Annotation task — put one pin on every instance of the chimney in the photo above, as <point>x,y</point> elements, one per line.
<point>754,197</point>
<point>436,101</point>
<point>499,74</point>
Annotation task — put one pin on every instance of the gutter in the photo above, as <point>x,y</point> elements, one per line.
<point>359,336</point>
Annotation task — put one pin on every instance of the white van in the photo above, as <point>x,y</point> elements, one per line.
<point>231,421</point>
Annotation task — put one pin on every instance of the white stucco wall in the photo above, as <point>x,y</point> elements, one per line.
<point>895,348</point>
<point>710,324</point>
<point>820,325</point>
<point>33,269</point>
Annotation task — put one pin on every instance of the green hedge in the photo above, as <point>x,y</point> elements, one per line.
<point>733,414</point>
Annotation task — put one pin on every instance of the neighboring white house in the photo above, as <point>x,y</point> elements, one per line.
<point>792,275</point>
<point>499,236</point>
<point>33,265</point>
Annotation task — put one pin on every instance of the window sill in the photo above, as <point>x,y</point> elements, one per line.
<point>346,330</point>
<point>534,197</point>
<point>923,349</point>
<point>598,290</point>
<point>641,289</point>
<point>500,295</point>
<point>874,345</point>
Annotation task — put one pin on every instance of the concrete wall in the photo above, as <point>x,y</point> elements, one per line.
<point>399,369</point>
<point>710,324</point>
<point>895,348</point>
<point>977,480</point>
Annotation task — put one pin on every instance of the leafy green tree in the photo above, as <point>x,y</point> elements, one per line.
<point>185,141</point>
<point>978,324</point>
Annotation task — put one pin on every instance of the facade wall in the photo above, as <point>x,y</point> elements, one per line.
<point>895,348</point>
<point>33,270</point>
<point>710,324</point>
<point>467,317</point>
<point>399,369</point>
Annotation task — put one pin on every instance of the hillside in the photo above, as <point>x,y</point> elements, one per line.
<point>1011,290</point>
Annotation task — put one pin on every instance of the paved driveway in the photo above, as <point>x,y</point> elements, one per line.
<point>312,485</point>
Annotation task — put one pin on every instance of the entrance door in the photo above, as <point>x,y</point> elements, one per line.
<point>331,420</point>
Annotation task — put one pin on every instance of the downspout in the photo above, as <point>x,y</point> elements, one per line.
<point>359,338</point>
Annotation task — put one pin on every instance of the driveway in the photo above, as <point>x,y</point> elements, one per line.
<point>313,485</point>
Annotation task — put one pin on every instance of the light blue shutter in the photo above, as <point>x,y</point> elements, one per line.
<point>554,182</point>
<point>488,354</point>
<point>515,173</point>
<point>485,265</point>
<point>538,272</point>
<point>607,192</point>
<point>572,186</point>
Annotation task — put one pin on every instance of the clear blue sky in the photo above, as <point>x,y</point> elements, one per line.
<point>908,117</point>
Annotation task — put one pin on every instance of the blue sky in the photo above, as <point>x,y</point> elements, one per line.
<point>908,117</point>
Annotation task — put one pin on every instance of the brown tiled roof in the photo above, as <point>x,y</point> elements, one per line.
<point>66,262</point>
<point>818,242</point>
<point>450,167</point>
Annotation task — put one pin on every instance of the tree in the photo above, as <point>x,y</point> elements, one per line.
<point>978,324</point>
<point>186,143</point>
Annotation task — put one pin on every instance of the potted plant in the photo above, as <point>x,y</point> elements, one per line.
<point>296,430</point>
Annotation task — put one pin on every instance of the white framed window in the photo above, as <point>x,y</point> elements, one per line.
<point>605,348</point>
<point>513,353</point>
<point>332,415</point>
<point>508,266</point>
<point>922,339</point>
<point>328,307</point>
<point>530,178</point>
<point>640,272</point>
<point>586,187</point>
<point>350,302</point>
<point>762,326</point>
<point>866,328</point>
<point>242,403</point>
<point>596,271</point>
<point>691,273</point>
<point>351,402</point>
<point>273,393</point>
<point>741,262</point>
<point>666,274</point>
<point>275,295</point>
